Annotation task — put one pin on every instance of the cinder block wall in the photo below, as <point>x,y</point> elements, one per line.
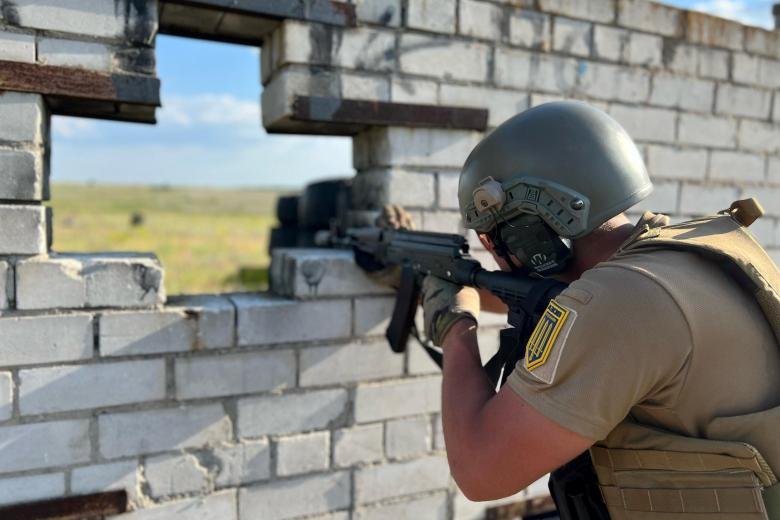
<point>290,405</point>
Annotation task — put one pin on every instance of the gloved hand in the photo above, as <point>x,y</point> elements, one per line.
<point>445,303</point>
<point>392,216</point>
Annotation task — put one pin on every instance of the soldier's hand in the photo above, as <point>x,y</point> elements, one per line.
<point>444,304</point>
<point>392,216</point>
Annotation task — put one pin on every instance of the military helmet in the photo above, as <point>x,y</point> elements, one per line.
<point>567,162</point>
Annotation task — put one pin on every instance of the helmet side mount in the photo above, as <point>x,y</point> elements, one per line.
<point>489,195</point>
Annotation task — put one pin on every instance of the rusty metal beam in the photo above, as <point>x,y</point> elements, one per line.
<point>127,97</point>
<point>246,21</point>
<point>69,508</point>
<point>360,113</point>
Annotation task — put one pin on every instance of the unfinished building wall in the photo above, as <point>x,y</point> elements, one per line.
<point>290,404</point>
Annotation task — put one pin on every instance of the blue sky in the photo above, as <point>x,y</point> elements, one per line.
<point>209,133</point>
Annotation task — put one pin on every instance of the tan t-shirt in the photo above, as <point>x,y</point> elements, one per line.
<point>664,336</point>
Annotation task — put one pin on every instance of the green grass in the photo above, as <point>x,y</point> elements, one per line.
<point>208,240</point>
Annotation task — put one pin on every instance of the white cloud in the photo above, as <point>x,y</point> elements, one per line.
<point>73,127</point>
<point>751,13</point>
<point>209,109</point>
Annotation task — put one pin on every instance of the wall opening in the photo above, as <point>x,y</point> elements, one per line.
<point>199,189</point>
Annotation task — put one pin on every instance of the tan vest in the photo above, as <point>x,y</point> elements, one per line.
<point>650,474</point>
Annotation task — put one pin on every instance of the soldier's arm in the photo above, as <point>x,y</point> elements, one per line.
<point>496,443</point>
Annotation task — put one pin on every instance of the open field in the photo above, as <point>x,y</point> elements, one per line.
<point>209,240</point>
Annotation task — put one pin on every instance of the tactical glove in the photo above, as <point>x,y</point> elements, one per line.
<point>444,304</point>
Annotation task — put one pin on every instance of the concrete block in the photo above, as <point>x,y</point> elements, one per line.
<point>682,58</point>
<point>431,15</point>
<point>150,431</point>
<point>480,20</point>
<point>362,48</point>
<point>745,68</point>
<point>399,146</point>
<point>17,47</point>
<point>594,10</point>
<point>448,190</point>
<point>216,506</point>
<point>762,41</point>
<point>611,82</point>
<point>443,57</point>
<point>374,483</point>
<point>76,54</point>
<point>646,124</point>
<point>292,413</point>
<point>378,401</point>
<point>25,229</point>
<point>610,43</point>
<point>6,285</point>
<point>6,396</point>
<point>769,198</point>
<point>465,509</point>
<point>175,474</point>
<point>373,189</point>
<point>650,16</point>
<point>372,88</point>
<point>676,163</point>
<point>774,169</point>
<point>438,433</point>
<point>408,90</point>
<point>644,49</point>
<point>146,332</point>
<point>713,63</point>
<point>713,31</point>
<point>298,454</point>
<point>23,117</point>
<point>357,445</point>
<point>572,36</point>
<point>372,315</point>
<point>707,130</point>
<point>529,71</point>
<point>501,104</point>
<point>349,363</point>
<point>743,101</point>
<point>706,200</point>
<point>265,319</point>
<point>663,199</point>
<point>26,340</point>
<point>442,222</point>
<point>296,497</point>
<point>32,488</point>
<point>216,318</point>
<point>88,281</point>
<point>419,362</point>
<point>22,175</point>
<point>776,111</point>
<point>764,230</point>
<point>242,463</point>
<point>408,437</point>
<point>433,507</point>
<point>234,374</point>
<point>44,445</point>
<point>106,477</point>
<point>530,29</point>
<point>79,387</point>
<point>681,92</point>
<point>729,166</point>
<point>84,17</point>
<point>382,12</point>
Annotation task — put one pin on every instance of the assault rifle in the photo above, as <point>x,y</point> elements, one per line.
<point>419,253</point>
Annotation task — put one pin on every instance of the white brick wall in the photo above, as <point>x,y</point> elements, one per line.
<point>357,445</point>
<point>6,395</point>
<point>17,47</point>
<point>22,175</point>
<point>216,318</point>
<point>22,117</point>
<point>290,413</point>
<point>234,374</point>
<point>298,454</point>
<point>57,389</point>
<point>408,437</point>
<point>443,58</point>
<point>480,19</point>
<point>217,506</point>
<point>730,165</point>
<point>388,400</point>
<point>24,230</point>
<point>132,433</point>
<point>374,483</point>
<point>743,101</point>
<point>146,332</point>
<point>431,15</point>
<point>175,475</point>
<point>46,444</point>
<point>572,36</point>
<point>71,53</point>
<point>530,29</point>
<point>707,131</point>
<point>682,92</point>
<point>243,463</point>
<point>702,200</point>
<point>349,363</point>
<point>297,497</point>
<point>32,488</point>
<point>432,507</point>
<point>54,338</point>
<point>106,477</point>
<point>595,10</point>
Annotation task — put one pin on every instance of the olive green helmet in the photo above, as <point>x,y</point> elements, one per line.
<point>567,162</point>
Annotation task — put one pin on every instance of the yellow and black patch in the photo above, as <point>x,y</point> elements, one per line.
<point>542,340</point>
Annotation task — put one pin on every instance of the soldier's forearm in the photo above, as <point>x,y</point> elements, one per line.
<point>465,390</point>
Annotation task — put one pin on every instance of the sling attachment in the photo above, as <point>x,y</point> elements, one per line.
<point>746,211</point>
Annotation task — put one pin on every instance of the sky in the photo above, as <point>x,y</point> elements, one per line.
<point>209,133</point>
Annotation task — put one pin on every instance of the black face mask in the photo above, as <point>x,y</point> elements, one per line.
<point>538,248</point>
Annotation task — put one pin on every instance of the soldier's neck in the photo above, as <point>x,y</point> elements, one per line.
<point>598,246</point>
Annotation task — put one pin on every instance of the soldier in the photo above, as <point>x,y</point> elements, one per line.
<point>661,358</point>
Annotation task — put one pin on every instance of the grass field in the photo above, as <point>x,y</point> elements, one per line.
<point>208,240</point>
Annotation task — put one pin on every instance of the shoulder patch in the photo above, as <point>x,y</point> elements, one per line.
<point>544,347</point>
